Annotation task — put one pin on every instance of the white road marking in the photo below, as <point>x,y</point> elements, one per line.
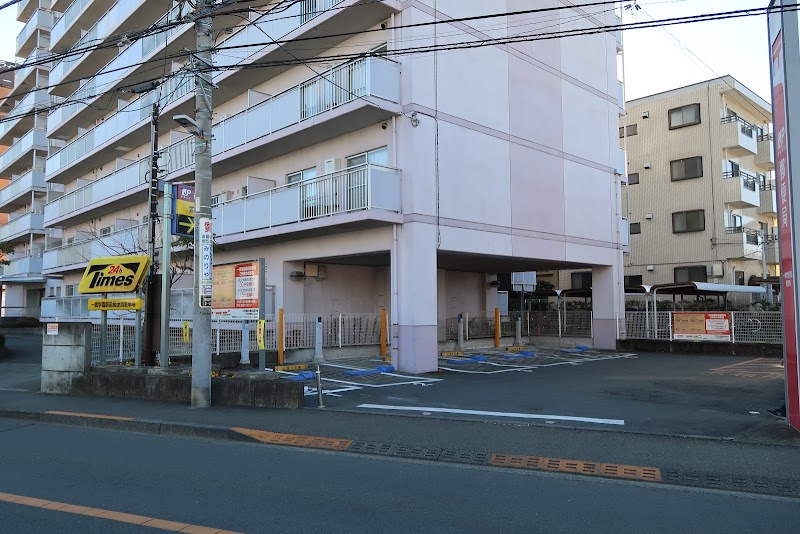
<point>618,422</point>
<point>15,389</point>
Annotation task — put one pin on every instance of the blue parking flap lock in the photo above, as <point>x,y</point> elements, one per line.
<point>474,359</point>
<point>574,351</point>
<point>304,375</point>
<point>519,355</point>
<point>582,348</point>
<point>385,368</point>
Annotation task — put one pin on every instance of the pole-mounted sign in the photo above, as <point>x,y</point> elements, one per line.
<point>118,274</point>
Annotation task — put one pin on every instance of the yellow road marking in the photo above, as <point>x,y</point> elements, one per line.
<point>294,440</point>
<point>111,515</point>
<point>541,463</point>
<point>92,415</point>
<point>737,364</point>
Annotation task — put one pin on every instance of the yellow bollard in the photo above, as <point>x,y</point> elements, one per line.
<point>497,327</point>
<point>383,333</point>
<point>280,336</point>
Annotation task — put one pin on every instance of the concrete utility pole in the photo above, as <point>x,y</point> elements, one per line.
<point>201,316</point>
<point>150,288</point>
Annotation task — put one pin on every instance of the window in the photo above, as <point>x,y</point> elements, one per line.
<point>302,176</point>
<point>736,221</point>
<point>735,170</point>
<point>695,273</point>
<point>582,280</point>
<point>379,156</point>
<point>636,228</point>
<point>631,130</point>
<point>633,178</point>
<point>738,277</point>
<point>70,290</point>
<point>684,116</point>
<point>685,169</point>
<point>633,280</point>
<point>688,221</point>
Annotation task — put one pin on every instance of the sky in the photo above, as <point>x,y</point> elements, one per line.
<point>654,60</point>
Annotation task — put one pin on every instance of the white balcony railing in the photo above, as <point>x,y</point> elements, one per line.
<point>128,116</point>
<point>276,25</point>
<point>22,73</point>
<point>365,77</point>
<point>40,19</point>
<point>72,105</point>
<point>67,20</point>
<point>30,222</point>
<point>17,186</point>
<point>24,265</point>
<point>364,187</point>
<point>120,181</point>
<point>131,240</point>
<point>26,143</point>
<point>24,107</point>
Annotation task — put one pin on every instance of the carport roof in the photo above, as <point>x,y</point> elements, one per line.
<point>695,288</point>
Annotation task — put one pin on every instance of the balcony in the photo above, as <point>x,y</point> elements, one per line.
<point>28,39</point>
<point>26,77</point>
<point>14,160</point>
<point>19,229</point>
<point>122,188</point>
<point>75,256</point>
<point>26,8</point>
<point>128,127</point>
<point>738,136</point>
<point>741,243</point>
<point>766,152</point>
<point>365,194</point>
<point>363,92</point>
<point>124,15</point>
<point>301,19</point>
<point>25,265</point>
<point>67,30</point>
<point>17,193</point>
<point>740,189</point>
<point>21,118</point>
<point>769,201</point>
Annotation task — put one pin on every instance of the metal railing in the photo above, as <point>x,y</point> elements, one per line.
<point>19,184</point>
<point>745,127</point>
<point>128,240</point>
<point>765,137</point>
<point>551,323</point>
<point>745,326</point>
<point>67,19</point>
<point>30,141</point>
<point>748,180</point>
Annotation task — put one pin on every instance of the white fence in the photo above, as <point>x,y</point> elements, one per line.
<point>745,326</point>
<point>562,323</point>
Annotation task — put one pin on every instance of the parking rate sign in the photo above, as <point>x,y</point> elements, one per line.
<point>183,211</point>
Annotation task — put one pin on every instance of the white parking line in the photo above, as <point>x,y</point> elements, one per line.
<point>618,422</point>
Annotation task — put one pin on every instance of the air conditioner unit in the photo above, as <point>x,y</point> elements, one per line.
<point>332,165</point>
<point>651,268</point>
<point>648,216</point>
<point>647,165</point>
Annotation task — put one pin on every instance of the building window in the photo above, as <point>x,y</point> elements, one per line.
<point>302,176</point>
<point>685,169</point>
<point>106,230</point>
<point>735,169</point>
<point>736,221</point>
<point>739,277</point>
<point>630,130</point>
<point>633,178</point>
<point>634,280</point>
<point>688,221</point>
<point>636,228</point>
<point>582,280</point>
<point>684,275</point>
<point>684,116</point>
<point>379,156</point>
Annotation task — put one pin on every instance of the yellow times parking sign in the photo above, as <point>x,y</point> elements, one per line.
<point>118,274</point>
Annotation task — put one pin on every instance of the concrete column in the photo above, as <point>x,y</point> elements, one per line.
<point>607,305</point>
<point>417,298</point>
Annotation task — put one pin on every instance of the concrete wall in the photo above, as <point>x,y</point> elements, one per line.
<point>66,356</point>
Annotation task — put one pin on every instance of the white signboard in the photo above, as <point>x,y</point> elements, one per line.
<point>524,281</point>
<point>207,267</point>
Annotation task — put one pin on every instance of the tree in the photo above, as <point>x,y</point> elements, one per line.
<point>5,250</point>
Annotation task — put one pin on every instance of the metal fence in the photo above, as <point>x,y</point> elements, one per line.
<point>746,326</point>
<point>561,323</point>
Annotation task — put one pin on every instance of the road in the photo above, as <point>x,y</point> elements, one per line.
<point>259,488</point>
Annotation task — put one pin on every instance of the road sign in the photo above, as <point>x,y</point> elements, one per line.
<point>183,211</point>
<point>115,304</point>
<point>237,290</point>
<point>118,274</point>
<point>185,327</point>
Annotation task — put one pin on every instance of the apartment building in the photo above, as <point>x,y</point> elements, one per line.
<point>702,200</point>
<point>373,179</point>
<point>24,131</point>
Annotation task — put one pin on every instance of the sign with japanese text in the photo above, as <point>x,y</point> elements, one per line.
<point>115,304</point>
<point>701,326</point>
<point>207,262</point>
<point>183,211</point>
<point>236,291</point>
<point>117,274</point>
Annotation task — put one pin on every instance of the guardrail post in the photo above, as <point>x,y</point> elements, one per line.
<point>460,332</point>
<point>319,389</point>
<point>518,330</point>
<point>318,341</point>
<point>466,327</point>
<point>384,335</point>
<point>733,328</point>
<point>497,327</point>
<point>559,320</point>
<point>121,336</point>
<point>671,330</point>
<point>217,340</point>
<point>103,333</point>
<point>340,330</point>
<point>280,337</point>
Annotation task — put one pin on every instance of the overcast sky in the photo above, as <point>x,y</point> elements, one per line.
<point>654,61</point>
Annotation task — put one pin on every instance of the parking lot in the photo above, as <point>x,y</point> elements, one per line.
<point>697,395</point>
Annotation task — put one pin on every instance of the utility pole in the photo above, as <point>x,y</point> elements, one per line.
<point>203,261</point>
<point>148,357</point>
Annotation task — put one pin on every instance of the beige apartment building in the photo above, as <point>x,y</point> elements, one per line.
<point>700,190</point>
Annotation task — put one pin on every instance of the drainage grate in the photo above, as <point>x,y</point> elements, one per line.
<point>370,447</point>
<point>779,487</point>
<point>649,474</point>
<point>416,452</point>
<point>464,457</point>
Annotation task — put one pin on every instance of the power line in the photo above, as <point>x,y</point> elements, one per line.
<point>9,4</point>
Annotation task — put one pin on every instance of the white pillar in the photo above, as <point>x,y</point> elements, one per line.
<point>417,298</point>
<point>607,305</point>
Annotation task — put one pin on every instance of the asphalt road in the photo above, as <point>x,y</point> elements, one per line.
<point>258,488</point>
<point>20,369</point>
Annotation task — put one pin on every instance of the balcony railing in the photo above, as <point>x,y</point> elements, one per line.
<point>40,19</point>
<point>124,119</point>
<point>32,221</point>
<point>120,181</point>
<point>27,181</point>
<point>745,127</point>
<point>24,108</point>
<point>768,185</point>
<point>72,105</point>
<point>748,180</point>
<point>28,142</point>
<point>751,236</point>
<point>276,25</point>
<point>129,240</point>
<point>365,77</point>
<point>21,74</point>
<point>364,187</point>
<point>67,20</point>
<point>24,265</point>
<point>765,137</point>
